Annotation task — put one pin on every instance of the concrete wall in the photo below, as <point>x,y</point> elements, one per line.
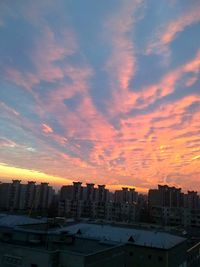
<point>26,256</point>
<point>111,257</point>
<point>69,259</point>
<point>178,255</point>
<point>137,256</point>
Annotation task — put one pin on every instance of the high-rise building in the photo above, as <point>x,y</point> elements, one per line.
<point>165,196</point>
<point>101,193</point>
<point>4,195</point>
<point>14,195</point>
<point>126,195</point>
<point>170,206</point>
<point>89,192</point>
<point>77,190</point>
<point>30,195</point>
<point>66,192</point>
<point>192,200</point>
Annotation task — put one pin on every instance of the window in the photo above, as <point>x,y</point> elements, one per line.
<point>149,257</point>
<point>12,260</point>
<point>34,265</point>
<point>130,253</point>
<point>160,258</point>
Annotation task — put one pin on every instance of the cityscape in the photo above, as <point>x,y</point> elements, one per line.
<point>165,206</point>
<point>94,224</point>
<point>100,133</point>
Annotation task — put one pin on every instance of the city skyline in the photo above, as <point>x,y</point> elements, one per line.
<point>95,185</point>
<point>101,91</point>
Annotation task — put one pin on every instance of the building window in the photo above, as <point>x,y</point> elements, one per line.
<point>130,253</point>
<point>149,257</point>
<point>12,260</point>
<point>160,258</point>
<point>34,265</point>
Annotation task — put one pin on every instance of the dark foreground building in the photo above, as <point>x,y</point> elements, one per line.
<point>25,242</point>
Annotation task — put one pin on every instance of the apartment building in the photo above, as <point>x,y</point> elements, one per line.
<point>170,206</point>
<point>16,196</point>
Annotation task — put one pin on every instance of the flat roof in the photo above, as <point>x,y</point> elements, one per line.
<point>14,220</point>
<point>103,232</point>
<point>106,232</point>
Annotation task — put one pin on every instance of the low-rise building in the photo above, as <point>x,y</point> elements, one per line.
<point>29,242</point>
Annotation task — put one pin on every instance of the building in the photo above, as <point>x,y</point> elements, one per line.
<point>170,206</point>
<point>144,248</point>
<point>28,242</point>
<point>14,195</point>
<point>126,195</point>
<point>32,243</point>
<point>5,189</point>
<point>29,197</point>
<point>165,196</point>
<point>98,203</point>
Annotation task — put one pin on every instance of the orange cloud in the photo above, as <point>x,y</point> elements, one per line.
<point>196,157</point>
<point>150,156</point>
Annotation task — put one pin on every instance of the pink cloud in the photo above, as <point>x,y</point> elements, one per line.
<point>4,142</point>
<point>168,82</point>
<point>46,52</point>
<point>159,151</point>
<point>75,161</point>
<point>46,129</point>
<point>122,65</point>
<point>168,32</point>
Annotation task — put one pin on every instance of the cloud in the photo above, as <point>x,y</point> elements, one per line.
<point>8,171</point>
<point>46,52</point>
<point>7,143</point>
<point>46,129</point>
<point>168,32</point>
<point>8,109</point>
<point>121,66</point>
<point>196,157</point>
<point>169,82</point>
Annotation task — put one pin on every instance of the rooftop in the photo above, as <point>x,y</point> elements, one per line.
<point>14,220</point>
<point>105,232</point>
<point>102,232</point>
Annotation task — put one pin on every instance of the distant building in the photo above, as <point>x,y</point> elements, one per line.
<point>66,192</point>
<point>169,206</point>
<point>5,189</point>
<point>25,197</point>
<point>165,196</point>
<point>14,195</point>
<point>78,201</point>
<point>77,191</point>
<point>126,195</point>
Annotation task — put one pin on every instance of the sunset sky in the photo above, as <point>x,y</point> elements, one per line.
<point>103,91</point>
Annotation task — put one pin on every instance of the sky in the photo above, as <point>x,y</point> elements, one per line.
<point>100,91</point>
